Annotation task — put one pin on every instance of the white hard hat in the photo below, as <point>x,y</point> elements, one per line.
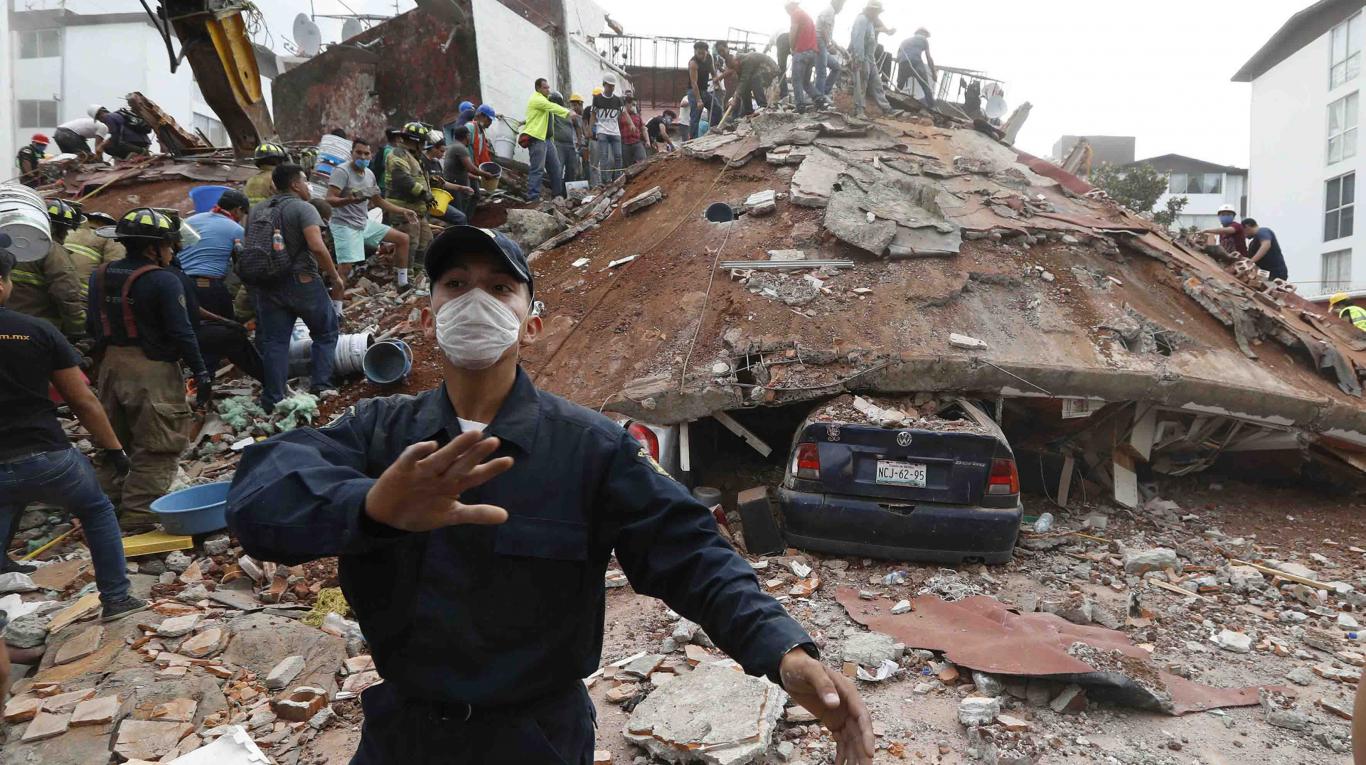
<point>93,110</point>
<point>609,79</point>
<point>1228,209</point>
<point>874,5</point>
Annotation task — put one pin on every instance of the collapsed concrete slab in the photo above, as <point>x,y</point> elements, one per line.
<point>714,715</point>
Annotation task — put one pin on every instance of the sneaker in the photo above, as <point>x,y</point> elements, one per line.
<point>324,393</point>
<point>10,566</point>
<point>404,289</point>
<point>126,607</point>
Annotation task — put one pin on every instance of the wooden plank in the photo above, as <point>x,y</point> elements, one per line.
<point>1283,575</point>
<point>743,432</point>
<point>1179,591</point>
<point>1069,465</point>
<point>1126,480</point>
<point>1144,433</point>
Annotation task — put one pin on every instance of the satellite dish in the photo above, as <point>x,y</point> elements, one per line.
<point>307,36</point>
<point>996,107</point>
<point>351,28</point>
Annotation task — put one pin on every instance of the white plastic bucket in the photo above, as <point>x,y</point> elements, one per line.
<point>504,146</point>
<point>336,146</point>
<point>23,215</point>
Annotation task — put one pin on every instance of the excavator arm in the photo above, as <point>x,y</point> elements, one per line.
<point>213,38</point>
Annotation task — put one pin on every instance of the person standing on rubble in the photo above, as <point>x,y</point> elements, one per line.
<point>303,294</point>
<point>433,164</point>
<point>827,67</point>
<point>129,135</point>
<point>459,166</point>
<point>474,524</point>
<point>657,130</point>
<point>351,191</point>
<point>804,48</point>
<point>566,131</point>
<point>863,60</point>
<point>584,137</point>
<point>409,188</point>
<point>267,157</point>
<point>699,79</point>
<point>38,462</point>
<point>138,316</point>
<point>1265,249</point>
<point>480,146</point>
<point>1231,235</point>
<point>74,136</point>
<point>50,288</point>
<point>915,61</point>
<point>28,160</point>
<point>206,265</point>
<point>633,138</point>
<point>1347,310</point>
<point>757,72</point>
<point>537,139</point>
<point>604,119</point>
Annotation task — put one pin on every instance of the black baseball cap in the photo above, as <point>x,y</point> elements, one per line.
<point>460,240</point>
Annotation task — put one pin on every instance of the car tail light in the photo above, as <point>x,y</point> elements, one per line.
<point>806,462</point>
<point>1005,479</point>
<point>646,437</point>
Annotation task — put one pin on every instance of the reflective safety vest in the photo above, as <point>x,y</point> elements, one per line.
<point>1355,315</point>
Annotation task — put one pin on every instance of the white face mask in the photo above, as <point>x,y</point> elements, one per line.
<point>476,329</point>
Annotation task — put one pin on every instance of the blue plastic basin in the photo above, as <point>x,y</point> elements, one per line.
<point>205,197</point>
<point>196,510</point>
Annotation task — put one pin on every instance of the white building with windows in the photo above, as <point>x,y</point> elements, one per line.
<point>1306,84</point>
<point>1207,186</point>
<point>61,57</point>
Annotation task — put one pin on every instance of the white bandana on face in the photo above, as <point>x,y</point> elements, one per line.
<point>476,329</point>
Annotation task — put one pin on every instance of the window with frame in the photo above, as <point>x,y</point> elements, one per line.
<point>1339,207</point>
<point>1345,43</point>
<point>211,128</point>
<point>1342,128</point>
<point>40,43</point>
<point>37,114</point>
<point>1337,271</point>
<point>1195,183</point>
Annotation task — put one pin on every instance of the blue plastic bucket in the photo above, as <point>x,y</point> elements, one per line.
<point>205,197</point>
<point>720,212</point>
<point>196,510</point>
<point>387,362</point>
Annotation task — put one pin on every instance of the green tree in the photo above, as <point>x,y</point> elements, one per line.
<point>1138,188</point>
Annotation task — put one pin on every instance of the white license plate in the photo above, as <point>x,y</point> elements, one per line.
<point>891,473</point>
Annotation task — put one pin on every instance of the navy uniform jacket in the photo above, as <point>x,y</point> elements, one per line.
<point>493,615</point>
<point>162,311</point>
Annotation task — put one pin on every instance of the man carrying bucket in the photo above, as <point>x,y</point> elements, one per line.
<point>38,462</point>
<point>475,522</point>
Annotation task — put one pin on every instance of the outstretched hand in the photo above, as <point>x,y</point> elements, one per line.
<point>831,697</point>
<point>421,491</point>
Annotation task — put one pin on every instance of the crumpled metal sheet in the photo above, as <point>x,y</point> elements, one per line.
<point>984,634</point>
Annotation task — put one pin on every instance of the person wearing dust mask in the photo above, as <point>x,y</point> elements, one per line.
<point>474,524</point>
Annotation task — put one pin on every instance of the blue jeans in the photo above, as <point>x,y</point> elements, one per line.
<point>827,70</point>
<point>802,63</point>
<point>609,157</point>
<point>277,308</point>
<point>544,159</point>
<point>454,215</point>
<point>67,479</point>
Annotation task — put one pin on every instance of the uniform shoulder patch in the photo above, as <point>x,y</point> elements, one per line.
<point>644,454</point>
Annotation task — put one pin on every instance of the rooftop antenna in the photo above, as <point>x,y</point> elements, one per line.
<point>307,36</point>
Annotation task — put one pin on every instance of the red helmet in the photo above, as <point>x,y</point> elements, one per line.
<point>39,138</point>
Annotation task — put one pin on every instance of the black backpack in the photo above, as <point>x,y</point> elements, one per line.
<point>264,260</point>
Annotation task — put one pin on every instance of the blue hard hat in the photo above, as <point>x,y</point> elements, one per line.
<point>488,111</point>
<point>466,106</point>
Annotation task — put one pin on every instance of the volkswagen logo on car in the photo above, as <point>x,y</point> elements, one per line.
<point>903,438</point>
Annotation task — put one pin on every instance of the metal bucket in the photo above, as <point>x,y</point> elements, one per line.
<point>23,215</point>
<point>388,362</point>
<point>491,184</point>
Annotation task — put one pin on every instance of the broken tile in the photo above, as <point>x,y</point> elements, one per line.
<point>641,201</point>
<point>283,673</point>
<point>205,644</point>
<point>80,646</point>
<point>148,739</point>
<point>22,709</point>
<point>97,711</point>
<point>84,608</point>
<point>65,702</point>
<point>59,576</point>
<point>46,725</point>
<point>622,693</point>
<point>177,626</point>
<point>355,664</point>
<point>356,683</point>
<point>300,704</point>
<point>176,710</point>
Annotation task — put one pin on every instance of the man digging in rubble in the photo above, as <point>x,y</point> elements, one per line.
<point>475,522</point>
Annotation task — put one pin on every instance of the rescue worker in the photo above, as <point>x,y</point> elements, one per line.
<point>474,524</point>
<point>267,157</point>
<point>863,59</point>
<point>138,314</point>
<point>206,265</point>
<point>50,287</point>
<point>87,251</point>
<point>410,189</point>
<point>1347,310</point>
<point>480,147</point>
<point>565,131</point>
<point>28,159</point>
<point>38,463</point>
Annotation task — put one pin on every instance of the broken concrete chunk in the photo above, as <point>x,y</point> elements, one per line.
<point>967,343</point>
<point>641,201</point>
<point>1012,724</point>
<point>711,715</point>
<point>80,646</point>
<point>205,644</point>
<point>178,626</point>
<point>1236,642</point>
<point>16,582</point>
<point>29,631</point>
<point>869,649</point>
<point>1157,559</point>
<point>987,685</point>
<point>1071,700</point>
<point>978,710</point>
<point>786,256</point>
<point>762,203</point>
<point>300,705</point>
<point>284,673</point>
<point>901,607</point>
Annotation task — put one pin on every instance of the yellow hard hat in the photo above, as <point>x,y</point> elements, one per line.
<point>1341,297</point>
<point>597,91</point>
<point>576,97</point>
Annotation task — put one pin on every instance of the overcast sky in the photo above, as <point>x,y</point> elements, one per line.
<point>1158,70</point>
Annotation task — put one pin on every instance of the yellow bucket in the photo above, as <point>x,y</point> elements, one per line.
<point>438,207</point>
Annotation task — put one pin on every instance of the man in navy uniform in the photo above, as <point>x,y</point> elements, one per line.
<point>474,524</point>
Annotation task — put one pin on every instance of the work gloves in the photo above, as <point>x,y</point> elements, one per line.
<point>118,460</point>
<point>203,390</point>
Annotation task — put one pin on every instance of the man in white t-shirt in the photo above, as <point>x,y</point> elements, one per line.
<point>73,137</point>
<point>351,191</point>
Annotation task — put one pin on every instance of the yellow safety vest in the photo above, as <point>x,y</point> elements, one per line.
<point>1353,314</point>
